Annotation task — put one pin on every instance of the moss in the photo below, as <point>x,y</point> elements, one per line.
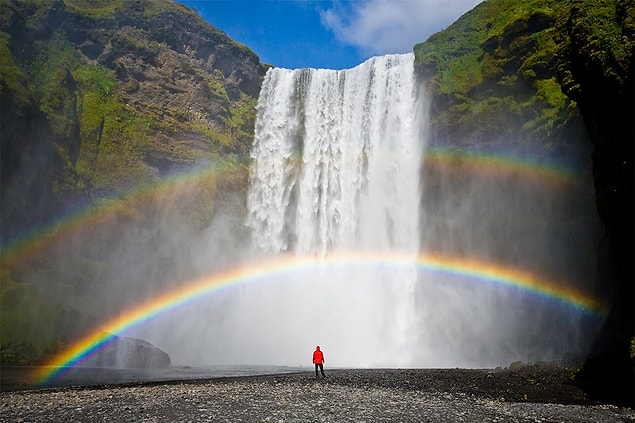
<point>12,79</point>
<point>549,91</point>
<point>217,91</point>
<point>498,60</point>
<point>241,123</point>
<point>602,33</point>
<point>95,9</point>
<point>484,28</point>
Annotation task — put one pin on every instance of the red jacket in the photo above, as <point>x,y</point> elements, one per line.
<point>318,357</point>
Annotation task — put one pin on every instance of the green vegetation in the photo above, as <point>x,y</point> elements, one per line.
<point>108,9</point>
<point>12,77</point>
<point>494,69</point>
<point>601,35</point>
<point>113,98</point>
<point>96,9</point>
<point>103,139</point>
<point>240,124</point>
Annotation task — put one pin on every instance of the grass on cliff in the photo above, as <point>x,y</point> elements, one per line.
<point>457,50</point>
<point>109,151</point>
<point>106,9</point>
<point>494,69</point>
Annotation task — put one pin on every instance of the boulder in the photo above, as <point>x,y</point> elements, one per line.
<point>128,353</point>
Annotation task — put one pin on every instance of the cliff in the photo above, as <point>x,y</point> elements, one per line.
<point>134,115</point>
<point>553,80</point>
<point>100,97</point>
<point>492,76</point>
<point>596,68</point>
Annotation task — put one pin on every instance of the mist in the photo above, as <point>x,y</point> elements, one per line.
<point>340,166</point>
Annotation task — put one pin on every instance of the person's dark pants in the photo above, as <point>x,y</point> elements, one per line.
<point>321,369</point>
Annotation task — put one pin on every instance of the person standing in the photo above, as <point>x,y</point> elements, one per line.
<point>318,360</point>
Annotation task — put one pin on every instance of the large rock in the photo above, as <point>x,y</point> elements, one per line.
<point>129,353</point>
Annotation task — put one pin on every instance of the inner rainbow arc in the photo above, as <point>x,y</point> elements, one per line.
<point>488,272</point>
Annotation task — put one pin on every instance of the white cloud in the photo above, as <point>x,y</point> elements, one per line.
<point>391,26</point>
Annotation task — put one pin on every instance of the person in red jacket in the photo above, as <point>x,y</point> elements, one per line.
<point>318,360</point>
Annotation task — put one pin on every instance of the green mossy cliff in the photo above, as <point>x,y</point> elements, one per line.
<point>493,80</point>
<point>103,96</point>
<point>551,77</point>
<point>101,100</point>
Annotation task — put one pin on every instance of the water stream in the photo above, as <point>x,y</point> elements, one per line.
<point>335,170</point>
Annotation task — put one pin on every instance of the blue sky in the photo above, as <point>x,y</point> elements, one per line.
<point>334,34</point>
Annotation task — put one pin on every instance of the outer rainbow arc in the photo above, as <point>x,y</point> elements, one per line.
<point>473,161</point>
<point>22,249</point>
<point>199,288</point>
<point>97,212</point>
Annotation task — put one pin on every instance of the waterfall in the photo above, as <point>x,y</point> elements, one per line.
<point>335,170</point>
<point>333,251</point>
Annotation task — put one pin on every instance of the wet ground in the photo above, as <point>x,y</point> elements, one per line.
<point>528,394</point>
<point>23,377</point>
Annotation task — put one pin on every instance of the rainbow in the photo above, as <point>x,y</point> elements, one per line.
<point>499,164</point>
<point>103,212</point>
<point>194,290</point>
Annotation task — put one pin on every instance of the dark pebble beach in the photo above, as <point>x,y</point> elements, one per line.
<point>528,394</point>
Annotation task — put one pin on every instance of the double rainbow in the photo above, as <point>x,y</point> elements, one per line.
<point>102,211</point>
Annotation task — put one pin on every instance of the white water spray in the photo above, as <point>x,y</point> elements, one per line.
<point>335,169</point>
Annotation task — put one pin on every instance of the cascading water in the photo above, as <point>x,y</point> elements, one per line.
<point>335,170</point>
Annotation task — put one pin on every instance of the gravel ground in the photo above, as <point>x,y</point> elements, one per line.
<point>531,394</point>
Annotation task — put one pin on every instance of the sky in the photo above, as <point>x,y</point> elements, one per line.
<point>333,34</point>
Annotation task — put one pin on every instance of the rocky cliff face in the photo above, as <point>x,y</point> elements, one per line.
<point>596,67</point>
<point>552,79</point>
<point>106,109</point>
<point>103,96</point>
